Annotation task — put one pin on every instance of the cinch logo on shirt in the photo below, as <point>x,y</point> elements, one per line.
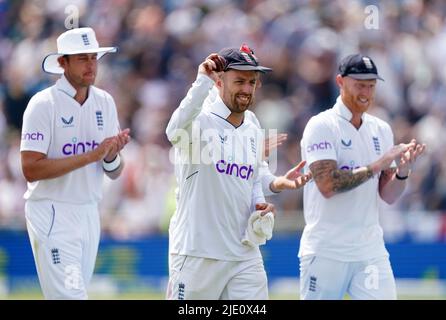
<point>319,146</point>
<point>349,167</point>
<point>78,147</point>
<point>34,136</point>
<point>229,168</point>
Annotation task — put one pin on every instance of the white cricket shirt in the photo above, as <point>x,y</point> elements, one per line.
<point>266,177</point>
<point>57,125</point>
<point>216,191</point>
<point>344,227</point>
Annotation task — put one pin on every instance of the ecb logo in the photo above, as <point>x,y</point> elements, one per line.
<point>99,120</point>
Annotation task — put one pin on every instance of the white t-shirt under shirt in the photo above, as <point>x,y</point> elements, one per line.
<point>55,124</point>
<point>217,193</point>
<point>346,226</point>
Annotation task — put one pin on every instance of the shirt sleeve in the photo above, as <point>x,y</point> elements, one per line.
<point>257,193</point>
<point>388,139</point>
<point>318,142</point>
<point>114,128</point>
<point>266,177</point>
<point>190,107</point>
<point>36,129</point>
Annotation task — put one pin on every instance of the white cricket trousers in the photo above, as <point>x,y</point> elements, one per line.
<point>64,239</point>
<point>327,279</point>
<point>194,278</point>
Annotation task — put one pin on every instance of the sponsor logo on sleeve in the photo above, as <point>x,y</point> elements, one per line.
<point>324,145</point>
<point>32,136</point>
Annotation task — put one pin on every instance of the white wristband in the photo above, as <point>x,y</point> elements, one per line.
<point>111,166</point>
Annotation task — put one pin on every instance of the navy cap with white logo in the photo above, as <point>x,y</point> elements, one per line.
<point>241,59</point>
<point>360,67</point>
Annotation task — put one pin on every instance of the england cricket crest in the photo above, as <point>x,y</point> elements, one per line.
<point>253,146</point>
<point>377,145</point>
<point>99,120</point>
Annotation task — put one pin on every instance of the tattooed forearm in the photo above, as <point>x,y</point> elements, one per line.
<point>331,180</point>
<point>322,169</point>
<point>345,180</point>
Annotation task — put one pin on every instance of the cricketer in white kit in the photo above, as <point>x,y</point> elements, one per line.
<point>217,192</point>
<point>354,163</point>
<point>70,137</point>
<point>293,179</point>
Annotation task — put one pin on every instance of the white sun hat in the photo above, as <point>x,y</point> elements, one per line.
<point>74,41</point>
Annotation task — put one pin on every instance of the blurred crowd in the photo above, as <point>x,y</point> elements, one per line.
<point>161,44</point>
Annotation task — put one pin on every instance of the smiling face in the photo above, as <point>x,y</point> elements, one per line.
<point>80,69</point>
<point>237,89</point>
<point>357,95</point>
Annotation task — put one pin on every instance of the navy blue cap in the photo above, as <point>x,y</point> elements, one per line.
<point>360,67</point>
<point>241,59</point>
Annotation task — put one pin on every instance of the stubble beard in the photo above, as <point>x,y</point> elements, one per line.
<point>239,108</point>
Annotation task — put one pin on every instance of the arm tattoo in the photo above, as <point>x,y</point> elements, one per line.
<point>327,175</point>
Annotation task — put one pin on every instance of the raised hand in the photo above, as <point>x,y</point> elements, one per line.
<point>296,177</point>
<point>120,140</point>
<point>395,153</point>
<point>212,66</point>
<point>103,149</point>
<point>409,157</point>
<point>293,179</point>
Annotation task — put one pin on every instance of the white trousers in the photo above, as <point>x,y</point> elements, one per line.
<point>323,278</point>
<point>64,239</point>
<point>193,278</point>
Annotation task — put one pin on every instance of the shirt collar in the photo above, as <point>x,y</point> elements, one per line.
<point>219,108</point>
<point>64,85</point>
<point>343,111</point>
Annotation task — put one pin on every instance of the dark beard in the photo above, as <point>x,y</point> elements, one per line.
<point>238,109</point>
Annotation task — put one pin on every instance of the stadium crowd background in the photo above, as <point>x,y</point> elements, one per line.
<point>162,42</point>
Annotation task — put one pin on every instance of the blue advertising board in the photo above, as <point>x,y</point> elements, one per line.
<point>148,257</point>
